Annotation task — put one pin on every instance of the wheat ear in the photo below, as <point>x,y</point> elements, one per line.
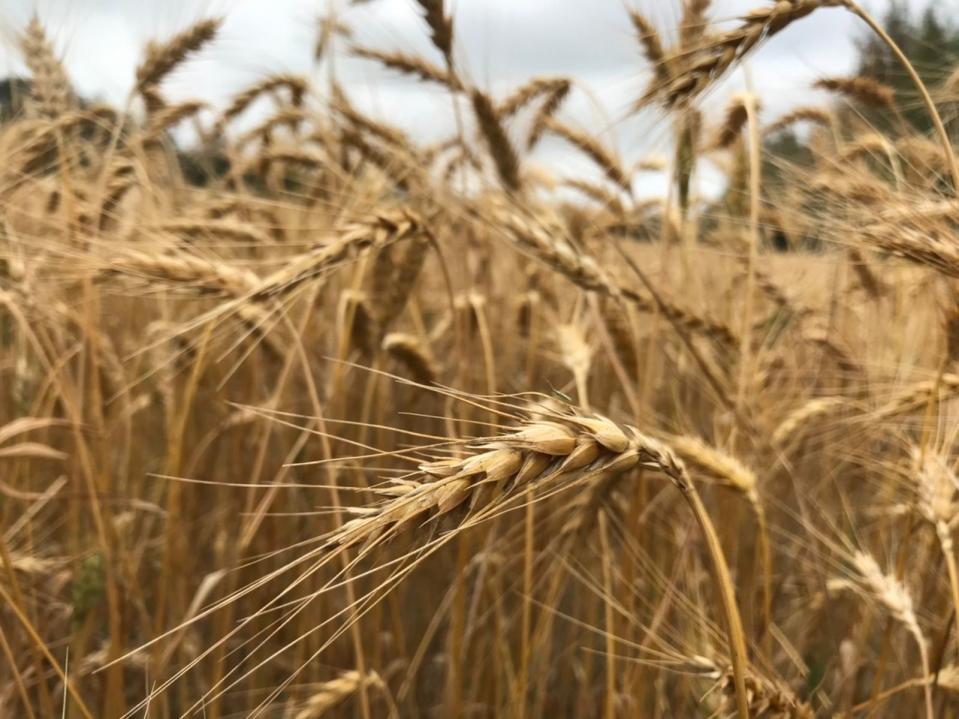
<point>51,90</point>
<point>162,58</point>
<point>500,148</point>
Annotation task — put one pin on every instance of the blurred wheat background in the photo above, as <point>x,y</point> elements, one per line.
<point>384,382</point>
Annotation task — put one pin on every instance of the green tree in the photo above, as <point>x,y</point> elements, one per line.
<point>932,45</point>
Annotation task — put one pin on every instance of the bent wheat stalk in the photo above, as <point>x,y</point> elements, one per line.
<point>730,470</point>
<point>548,450</point>
<point>890,593</point>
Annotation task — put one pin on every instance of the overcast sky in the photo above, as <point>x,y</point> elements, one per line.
<point>500,43</point>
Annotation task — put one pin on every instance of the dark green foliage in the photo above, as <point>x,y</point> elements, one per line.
<point>931,43</point>
<point>12,92</point>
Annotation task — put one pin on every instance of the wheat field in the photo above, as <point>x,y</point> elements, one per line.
<point>320,421</point>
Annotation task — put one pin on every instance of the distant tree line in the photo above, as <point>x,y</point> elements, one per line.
<point>929,41</point>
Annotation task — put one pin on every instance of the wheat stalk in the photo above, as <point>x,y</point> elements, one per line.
<point>393,277</point>
<point>441,27</point>
<point>295,84</point>
<point>767,697</point>
<point>190,231</point>
<point>652,45</point>
<point>411,353</point>
<point>166,117</point>
<point>794,424</point>
<point>814,115</point>
<point>712,461</point>
<point>737,113</point>
<point>548,448</point>
<point>706,63</point>
<point>376,232</point>
<point>582,270</point>
<point>410,65</point>
<point>860,88</point>
<point>892,594</point>
<point>51,90</point>
<point>530,91</point>
<point>329,694</point>
<point>593,149</point>
<point>162,58</point>
<point>500,148</point>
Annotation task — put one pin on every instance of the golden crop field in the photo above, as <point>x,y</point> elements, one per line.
<point>317,420</point>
